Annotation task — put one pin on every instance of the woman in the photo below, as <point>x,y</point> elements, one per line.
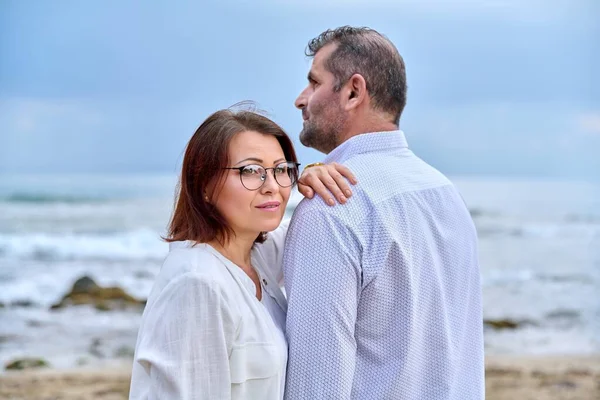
<point>213,326</point>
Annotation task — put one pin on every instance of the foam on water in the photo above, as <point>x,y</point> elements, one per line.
<point>135,245</point>
<point>539,254</point>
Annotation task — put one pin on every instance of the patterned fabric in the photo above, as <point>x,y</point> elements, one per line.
<point>384,296</point>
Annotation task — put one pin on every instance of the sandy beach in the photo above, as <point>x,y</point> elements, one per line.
<point>543,378</point>
<point>508,378</point>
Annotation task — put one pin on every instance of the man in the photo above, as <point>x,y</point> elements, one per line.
<point>384,292</point>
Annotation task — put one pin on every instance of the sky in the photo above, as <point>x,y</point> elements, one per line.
<point>499,88</point>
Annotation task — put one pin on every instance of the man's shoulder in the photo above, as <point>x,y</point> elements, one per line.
<point>384,178</point>
<point>312,207</point>
<point>388,174</point>
<point>356,206</point>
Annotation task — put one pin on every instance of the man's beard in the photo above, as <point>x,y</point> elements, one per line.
<point>321,138</point>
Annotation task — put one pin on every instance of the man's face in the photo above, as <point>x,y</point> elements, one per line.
<point>322,113</point>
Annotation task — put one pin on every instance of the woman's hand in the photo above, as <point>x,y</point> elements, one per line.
<point>328,181</point>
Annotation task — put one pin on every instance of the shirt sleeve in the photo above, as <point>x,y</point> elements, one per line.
<point>272,251</point>
<point>186,341</point>
<point>322,279</point>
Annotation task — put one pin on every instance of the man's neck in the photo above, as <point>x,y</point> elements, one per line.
<point>368,127</point>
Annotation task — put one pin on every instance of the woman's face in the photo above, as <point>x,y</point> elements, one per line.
<point>250,212</point>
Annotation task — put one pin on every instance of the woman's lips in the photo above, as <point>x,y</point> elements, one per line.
<point>269,206</point>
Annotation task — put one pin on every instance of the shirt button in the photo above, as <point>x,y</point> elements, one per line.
<point>265,281</point>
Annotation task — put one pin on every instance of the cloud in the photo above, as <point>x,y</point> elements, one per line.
<point>589,123</point>
<point>490,125</point>
<point>531,10</point>
<point>27,117</point>
<point>39,133</point>
<point>502,137</point>
<point>91,135</point>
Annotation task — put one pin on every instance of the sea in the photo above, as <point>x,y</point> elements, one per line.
<point>539,254</point>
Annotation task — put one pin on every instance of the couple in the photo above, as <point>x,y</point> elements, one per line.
<point>383,291</point>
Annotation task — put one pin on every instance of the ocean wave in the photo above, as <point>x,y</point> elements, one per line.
<point>479,212</point>
<point>40,198</point>
<point>140,244</point>
<point>502,277</point>
<point>510,277</point>
<point>539,230</point>
<point>583,218</point>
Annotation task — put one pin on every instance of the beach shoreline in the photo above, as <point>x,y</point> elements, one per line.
<point>508,377</point>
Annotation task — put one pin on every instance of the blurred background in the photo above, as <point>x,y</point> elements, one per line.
<point>98,100</point>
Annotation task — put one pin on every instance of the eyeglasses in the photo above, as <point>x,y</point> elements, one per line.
<point>254,176</point>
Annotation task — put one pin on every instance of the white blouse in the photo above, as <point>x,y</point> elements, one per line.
<point>205,335</point>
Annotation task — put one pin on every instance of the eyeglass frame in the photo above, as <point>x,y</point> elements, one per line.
<point>266,173</point>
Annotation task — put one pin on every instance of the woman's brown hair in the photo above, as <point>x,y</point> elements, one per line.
<point>194,218</point>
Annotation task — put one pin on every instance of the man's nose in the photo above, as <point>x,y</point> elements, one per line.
<point>300,102</point>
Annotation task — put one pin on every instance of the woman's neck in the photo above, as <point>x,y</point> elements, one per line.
<point>238,252</point>
<point>237,249</point>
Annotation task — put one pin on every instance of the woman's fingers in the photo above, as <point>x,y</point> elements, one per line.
<point>344,171</point>
<point>334,188</point>
<point>328,181</point>
<point>341,183</point>
<point>305,190</point>
<point>319,188</point>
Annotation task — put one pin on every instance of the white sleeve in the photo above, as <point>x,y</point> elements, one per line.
<point>186,340</point>
<point>272,251</point>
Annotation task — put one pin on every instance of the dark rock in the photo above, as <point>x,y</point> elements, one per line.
<point>563,314</point>
<point>578,373</point>
<point>539,374</point>
<point>143,275</point>
<point>501,323</point>
<point>81,361</point>
<point>86,291</point>
<point>94,348</point>
<point>504,372</point>
<point>565,384</point>
<point>84,284</point>
<point>102,306</point>
<point>6,338</point>
<point>124,352</point>
<point>34,324</point>
<point>22,303</point>
<point>1,305</point>
<point>26,363</point>
<point>563,318</point>
<point>506,323</point>
<point>475,212</point>
<point>559,384</point>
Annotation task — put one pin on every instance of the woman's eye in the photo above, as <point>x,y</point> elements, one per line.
<point>252,171</point>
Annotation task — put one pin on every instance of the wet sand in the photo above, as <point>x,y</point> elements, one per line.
<point>507,378</point>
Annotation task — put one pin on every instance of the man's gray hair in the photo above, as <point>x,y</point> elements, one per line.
<point>366,52</point>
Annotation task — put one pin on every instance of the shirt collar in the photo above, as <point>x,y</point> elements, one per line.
<point>269,285</point>
<point>367,143</point>
<point>180,245</point>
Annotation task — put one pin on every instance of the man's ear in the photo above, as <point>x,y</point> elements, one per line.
<point>355,92</point>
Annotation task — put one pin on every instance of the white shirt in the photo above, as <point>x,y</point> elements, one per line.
<point>205,335</point>
<point>384,295</point>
